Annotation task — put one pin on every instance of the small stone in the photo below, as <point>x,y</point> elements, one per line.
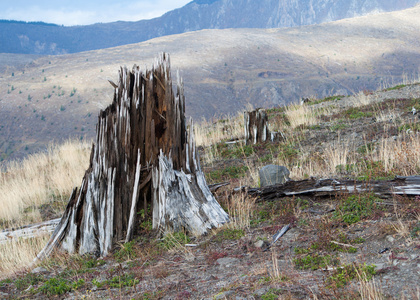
<point>261,244</point>
<point>39,270</point>
<point>390,239</point>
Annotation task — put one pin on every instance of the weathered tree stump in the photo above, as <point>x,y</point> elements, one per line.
<point>144,157</point>
<point>256,127</point>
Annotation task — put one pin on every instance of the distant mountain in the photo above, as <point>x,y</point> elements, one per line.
<point>42,38</point>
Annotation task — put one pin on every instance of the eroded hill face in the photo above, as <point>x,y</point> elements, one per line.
<point>56,97</point>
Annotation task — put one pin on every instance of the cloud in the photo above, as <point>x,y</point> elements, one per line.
<point>78,13</point>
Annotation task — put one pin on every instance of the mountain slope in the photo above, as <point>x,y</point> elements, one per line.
<point>55,97</point>
<point>40,38</point>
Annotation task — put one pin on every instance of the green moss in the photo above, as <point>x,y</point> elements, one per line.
<point>315,261</point>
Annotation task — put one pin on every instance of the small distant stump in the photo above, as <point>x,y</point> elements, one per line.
<point>256,128</point>
<point>144,161</point>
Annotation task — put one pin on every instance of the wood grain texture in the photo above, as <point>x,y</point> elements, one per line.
<point>144,149</point>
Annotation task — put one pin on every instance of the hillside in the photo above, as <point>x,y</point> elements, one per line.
<point>41,38</point>
<point>55,97</point>
<point>341,246</point>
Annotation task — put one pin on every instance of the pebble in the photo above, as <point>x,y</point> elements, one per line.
<point>39,270</point>
<point>261,244</point>
<point>390,239</point>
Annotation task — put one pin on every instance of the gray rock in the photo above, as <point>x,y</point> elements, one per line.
<point>273,174</point>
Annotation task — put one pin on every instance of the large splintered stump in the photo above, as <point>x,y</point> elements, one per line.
<point>143,161</point>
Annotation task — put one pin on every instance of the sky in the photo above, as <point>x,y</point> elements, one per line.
<point>84,12</point>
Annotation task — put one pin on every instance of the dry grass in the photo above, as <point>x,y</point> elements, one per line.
<point>17,254</point>
<point>362,99</point>
<point>401,154</point>
<point>39,179</point>
<point>369,289</point>
<point>208,134</point>
<point>301,115</point>
<point>337,153</point>
<point>240,209</point>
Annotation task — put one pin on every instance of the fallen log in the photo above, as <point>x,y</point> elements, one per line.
<point>144,160</point>
<point>409,185</point>
<point>28,231</point>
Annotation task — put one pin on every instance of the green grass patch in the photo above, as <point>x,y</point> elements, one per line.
<point>347,273</point>
<point>414,127</point>
<point>340,125</point>
<point>174,240</point>
<point>227,173</point>
<point>356,208</point>
<point>355,113</point>
<point>29,279</point>
<point>127,251</point>
<point>368,147</point>
<point>119,281</point>
<point>315,261</point>
<point>229,234</point>
<point>60,286</point>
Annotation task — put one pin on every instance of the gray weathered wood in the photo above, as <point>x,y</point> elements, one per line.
<point>409,186</point>
<point>256,127</point>
<point>29,231</point>
<point>144,126</point>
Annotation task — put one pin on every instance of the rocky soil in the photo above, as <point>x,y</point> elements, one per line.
<point>338,247</point>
